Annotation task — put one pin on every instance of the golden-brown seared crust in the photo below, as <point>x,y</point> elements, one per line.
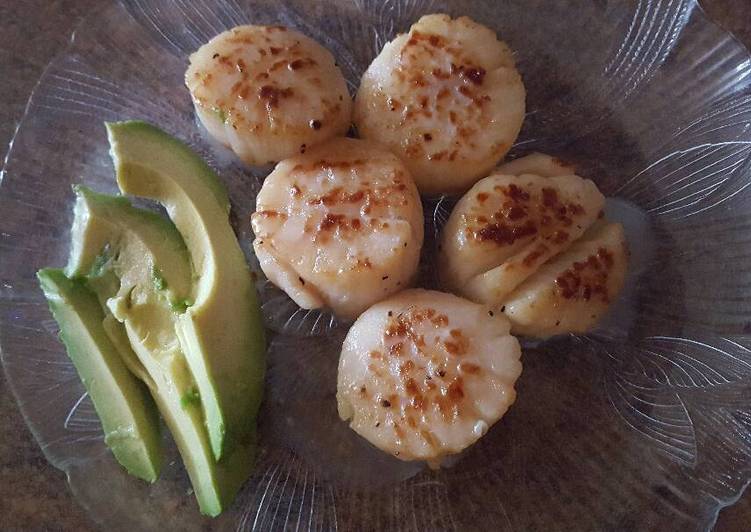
<point>447,110</point>
<point>571,292</point>
<point>424,374</point>
<point>506,226</point>
<point>346,216</point>
<point>271,86</point>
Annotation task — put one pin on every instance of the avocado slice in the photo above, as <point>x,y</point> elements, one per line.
<point>141,320</point>
<point>123,404</point>
<point>221,332</point>
<point>107,227</point>
<point>215,483</point>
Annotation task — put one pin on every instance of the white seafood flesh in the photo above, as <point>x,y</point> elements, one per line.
<point>267,92</point>
<point>507,226</point>
<point>446,98</point>
<point>339,227</point>
<point>573,291</point>
<point>424,374</point>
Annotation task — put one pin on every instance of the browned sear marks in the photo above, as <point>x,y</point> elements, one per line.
<point>453,93</point>
<point>469,368</point>
<point>422,387</point>
<point>272,95</point>
<point>298,64</point>
<point>407,366</point>
<point>331,221</point>
<point>458,345</point>
<point>515,212</point>
<point>503,234</point>
<point>562,211</point>
<point>587,279</point>
<point>514,192</point>
<point>325,164</point>
<point>534,255</point>
<point>522,214</point>
<point>436,41</point>
<point>405,324</point>
<point>475,75</point>
<point>337,196</point>
<point>559,237</point>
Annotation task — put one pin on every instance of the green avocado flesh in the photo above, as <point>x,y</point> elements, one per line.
<point>125,408</point>
<point>146,250</point>
<point>141,318</point>
<point>221,332</point>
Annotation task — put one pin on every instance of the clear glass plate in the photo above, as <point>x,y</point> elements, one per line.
<point>645,425</point>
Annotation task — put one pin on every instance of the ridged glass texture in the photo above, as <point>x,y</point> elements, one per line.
<point>643,425</point>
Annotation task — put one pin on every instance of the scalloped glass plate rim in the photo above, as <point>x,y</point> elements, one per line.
<point>696,11</point>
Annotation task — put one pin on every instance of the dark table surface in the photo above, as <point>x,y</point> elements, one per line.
<point>33,494</point>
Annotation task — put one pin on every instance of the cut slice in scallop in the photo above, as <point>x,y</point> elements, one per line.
<point>537,164</point>
<point>424,374</point>
<point>571,293</point>
<point>268,92</point>
<point>339,227</point>
<point>446,98</point>
<point>507,226</point>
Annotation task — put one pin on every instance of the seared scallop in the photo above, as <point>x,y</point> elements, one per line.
<point>507,226</point>
<point>339,227</point>
<point>424,374</point>
<point>571,293</point>
<point>446,98</point>
<point>268,92</point>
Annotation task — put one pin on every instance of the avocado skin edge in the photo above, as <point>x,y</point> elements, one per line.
<point>126,410</point>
